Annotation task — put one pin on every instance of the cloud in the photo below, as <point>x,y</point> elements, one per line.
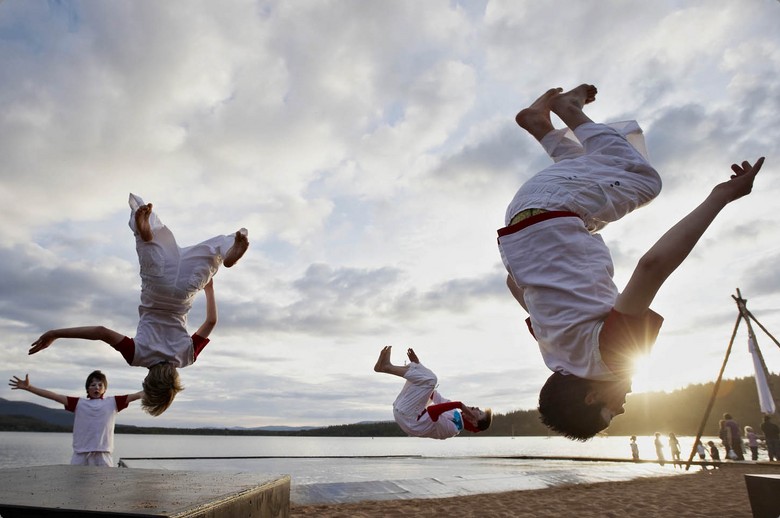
<point>370,149</point>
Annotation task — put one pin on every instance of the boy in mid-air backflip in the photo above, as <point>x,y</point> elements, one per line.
<point>440,420</point>
<point>561,271</point>
<point>170,278</point>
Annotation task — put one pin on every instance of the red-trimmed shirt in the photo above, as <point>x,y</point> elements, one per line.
<point>93,422</point>
<point>127,348</point>
<point>436,410</point>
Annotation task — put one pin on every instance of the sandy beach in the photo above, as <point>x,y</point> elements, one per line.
<point>719,492</point>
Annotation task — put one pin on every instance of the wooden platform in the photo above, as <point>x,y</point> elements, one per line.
<point>83,491</point>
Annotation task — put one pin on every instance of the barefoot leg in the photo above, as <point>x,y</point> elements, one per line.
<point>536,118</point>
<point>383,363</point>
<point>240,246</point>
<point>384,359</point>
<point>142,216</point>
<point>568,106</point>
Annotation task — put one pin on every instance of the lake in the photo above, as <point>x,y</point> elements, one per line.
<point>460,465</point>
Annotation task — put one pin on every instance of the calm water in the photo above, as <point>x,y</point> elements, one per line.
<point>30,449</point>
<point>462,465</point>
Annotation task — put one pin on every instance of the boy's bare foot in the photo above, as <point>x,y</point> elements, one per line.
<point>536,118</point>
<point>240,246</point>
<point>568,105</point>
<point>383,362</point>
<point>578,97</point>
<point>142,215</point>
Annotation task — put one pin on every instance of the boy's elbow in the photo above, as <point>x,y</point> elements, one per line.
<point>653,266</point>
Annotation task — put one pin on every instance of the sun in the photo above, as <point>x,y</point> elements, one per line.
<point>645,375</point>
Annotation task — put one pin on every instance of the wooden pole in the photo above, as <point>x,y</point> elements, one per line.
<point>714,393</point>
<point>747,311</point>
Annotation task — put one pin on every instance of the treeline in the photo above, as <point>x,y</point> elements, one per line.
<point>377,429</point>
<point>680,412</point>
<point>22,423</point>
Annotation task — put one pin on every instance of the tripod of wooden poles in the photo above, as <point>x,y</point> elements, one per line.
<point>747,316</point>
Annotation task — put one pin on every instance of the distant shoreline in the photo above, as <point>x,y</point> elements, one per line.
<point>680,412</point>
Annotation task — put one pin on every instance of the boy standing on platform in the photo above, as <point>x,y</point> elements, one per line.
<point>93,422</point>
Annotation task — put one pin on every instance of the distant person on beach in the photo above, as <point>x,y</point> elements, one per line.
<point>420,410</point>
<point>170,278</point>
<point>560,270</point>
<point>772,437</point>
<point>752,440</point>
<point>659,448</point>
<point>674,447</point>
<point>734,437</point>
<point>634,448</point>
<point>94,416</point>
<point>714,453</point>
<point>701,451</point>
<point>725,436</point>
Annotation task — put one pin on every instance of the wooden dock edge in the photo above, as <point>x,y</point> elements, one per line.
<point>76,491</point>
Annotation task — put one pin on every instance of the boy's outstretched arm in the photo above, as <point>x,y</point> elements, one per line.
<point>105,334</point>
<point>211,311</point>
<point>24,384</point>
<point>133,397</point>
<point>674,246</point>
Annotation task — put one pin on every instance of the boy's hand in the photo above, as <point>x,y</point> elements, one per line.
<point>741,182</point>
<point>42,343</point>
<point>20,384</point>
<point>412,356</point>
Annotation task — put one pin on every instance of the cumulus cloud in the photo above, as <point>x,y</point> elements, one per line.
<point>370,149</point>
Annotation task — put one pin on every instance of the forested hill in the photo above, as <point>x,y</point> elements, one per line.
<point>680,412</point>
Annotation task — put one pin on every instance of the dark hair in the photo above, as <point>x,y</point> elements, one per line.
<point>562,407</point>
<point>484,423</point>
<point>98,376</point>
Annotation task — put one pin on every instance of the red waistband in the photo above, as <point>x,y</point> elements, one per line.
<point>511,229</point>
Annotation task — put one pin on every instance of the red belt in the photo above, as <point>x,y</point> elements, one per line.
<point>528,217</point>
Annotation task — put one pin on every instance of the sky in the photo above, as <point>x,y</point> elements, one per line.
<point>371,151</point>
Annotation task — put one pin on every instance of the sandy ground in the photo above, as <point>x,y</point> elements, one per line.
<point>719,492</point>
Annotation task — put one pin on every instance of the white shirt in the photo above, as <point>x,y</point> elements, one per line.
<point>93,425</point>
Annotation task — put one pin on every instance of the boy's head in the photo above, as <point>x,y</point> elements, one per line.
<point>482,423</point>
<point>160,387</point>
<point>579,408</point>
<point>96,385</point>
